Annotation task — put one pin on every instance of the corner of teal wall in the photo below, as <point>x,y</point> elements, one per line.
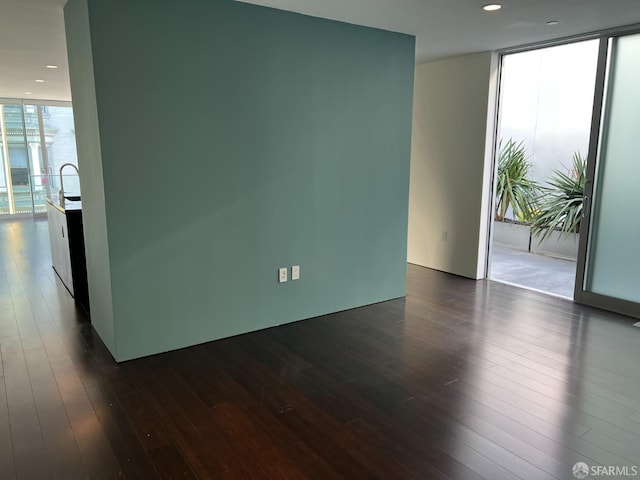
<point>78,39</point>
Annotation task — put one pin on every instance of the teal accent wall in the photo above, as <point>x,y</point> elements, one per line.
<point>90,164</point>
<point>237,139</point>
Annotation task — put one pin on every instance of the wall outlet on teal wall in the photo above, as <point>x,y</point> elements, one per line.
<point>282,275</point>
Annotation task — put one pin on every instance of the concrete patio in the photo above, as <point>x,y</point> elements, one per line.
<point>529,270</point>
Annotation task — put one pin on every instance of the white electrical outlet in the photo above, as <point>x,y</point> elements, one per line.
<point>295,272</point>
<point>282,275</point>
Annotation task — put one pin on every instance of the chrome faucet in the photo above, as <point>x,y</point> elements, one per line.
<point>61,191</point>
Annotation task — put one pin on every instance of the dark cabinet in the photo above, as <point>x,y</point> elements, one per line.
<point>67,250</point>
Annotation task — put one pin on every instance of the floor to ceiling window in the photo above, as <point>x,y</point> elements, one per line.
<point>36,139</point>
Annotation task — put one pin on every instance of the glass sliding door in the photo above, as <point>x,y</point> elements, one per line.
<point>546,99</point>
<point>609,273</point>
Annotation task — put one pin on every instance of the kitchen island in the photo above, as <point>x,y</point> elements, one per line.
<point>67,248</point>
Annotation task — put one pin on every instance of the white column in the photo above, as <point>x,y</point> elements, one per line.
<point>35,166</point>
<point>7,168</point>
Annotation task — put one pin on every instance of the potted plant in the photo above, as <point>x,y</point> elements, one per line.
<point>560,207</point>
<point>557,219</point>
<point>514,188</point>
<point>515,191</point>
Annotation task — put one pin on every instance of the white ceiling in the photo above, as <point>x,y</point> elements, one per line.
<point>32,31</point>
<point>32,36</point>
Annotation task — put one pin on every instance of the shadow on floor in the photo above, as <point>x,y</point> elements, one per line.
<point>547,274</point>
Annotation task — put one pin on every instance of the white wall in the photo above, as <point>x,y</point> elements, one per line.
<point>547,99</point>
<point>451,159</point>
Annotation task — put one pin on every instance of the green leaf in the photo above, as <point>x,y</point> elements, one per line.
<point>560,207</point>
<point>513,187</point>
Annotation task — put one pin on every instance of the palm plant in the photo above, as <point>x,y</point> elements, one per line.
<point>561,205</point>
<point>514,188</point>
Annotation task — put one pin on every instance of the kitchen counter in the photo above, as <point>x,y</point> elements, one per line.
<point>69,205</point>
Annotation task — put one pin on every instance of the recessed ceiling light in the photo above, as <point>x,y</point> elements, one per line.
<point>551,23</point>
<point>39,80</point>
<point>28,93</point>
<point>492,7</point>
<point>51,66</point>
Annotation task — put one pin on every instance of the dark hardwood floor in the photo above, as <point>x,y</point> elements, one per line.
<point>460,380</point>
